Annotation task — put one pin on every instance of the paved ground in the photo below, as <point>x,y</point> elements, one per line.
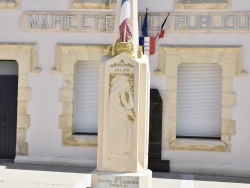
<point>42,176</point>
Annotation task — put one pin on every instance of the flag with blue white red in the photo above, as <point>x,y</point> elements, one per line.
<point>147,43</point>
<point>124,26</point>
<point>163,27</point>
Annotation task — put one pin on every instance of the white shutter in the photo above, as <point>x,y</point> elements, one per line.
<point>199,100</point>
<point>86,97</point>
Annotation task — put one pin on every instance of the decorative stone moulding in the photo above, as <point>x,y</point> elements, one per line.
<point>202,4</point>
<point>26,57</point>
<point>7,4</point>
<point>93,4</point>
<point>67,55</point>
<point>230,60</point>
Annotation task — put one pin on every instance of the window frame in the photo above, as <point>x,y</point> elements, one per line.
<point>230,60</point>
<point>67,55</point>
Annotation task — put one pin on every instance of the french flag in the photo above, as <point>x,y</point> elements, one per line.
<point>163,27</point>
<point>124,26</point>
<point>148,45</point>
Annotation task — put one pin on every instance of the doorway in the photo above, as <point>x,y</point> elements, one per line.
<point>8,109</point>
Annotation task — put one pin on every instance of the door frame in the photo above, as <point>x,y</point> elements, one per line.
<point>25,54</point>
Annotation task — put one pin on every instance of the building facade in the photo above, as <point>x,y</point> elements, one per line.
<point>50,53</point>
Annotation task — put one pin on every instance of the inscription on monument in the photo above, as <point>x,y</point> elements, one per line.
<point>105,181</point>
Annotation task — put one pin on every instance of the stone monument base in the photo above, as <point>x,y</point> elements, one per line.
<point>129,180</point>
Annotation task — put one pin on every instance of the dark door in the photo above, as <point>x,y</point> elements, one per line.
<point>8,116</point>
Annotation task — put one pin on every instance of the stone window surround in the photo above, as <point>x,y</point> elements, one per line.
<point>178,4</point>
<point>8,4</point>
<point>26,57</point>
<point>202,5</point>
<point>104,4</point>
<point>230,60</point>
<point>67,55</point>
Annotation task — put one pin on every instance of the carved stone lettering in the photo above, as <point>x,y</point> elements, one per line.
<point>107,181</point>
<point>209,22</point>
<point>82,22</point>
<point>103,22</point>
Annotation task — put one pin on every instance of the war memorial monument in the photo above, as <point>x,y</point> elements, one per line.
<point>122,156</point>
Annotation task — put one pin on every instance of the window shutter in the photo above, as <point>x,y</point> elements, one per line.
<point>199,100</point>
<point>86,97</point>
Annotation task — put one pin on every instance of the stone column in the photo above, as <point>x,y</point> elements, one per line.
<point>123,126</point>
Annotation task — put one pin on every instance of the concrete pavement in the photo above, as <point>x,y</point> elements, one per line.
<point>45,176</point>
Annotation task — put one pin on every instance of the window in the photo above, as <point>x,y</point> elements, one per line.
<point>199,100</point>
<point>174,62</point>
<point>86,97</point>
<point>68,55</point>
<point>8,67</point>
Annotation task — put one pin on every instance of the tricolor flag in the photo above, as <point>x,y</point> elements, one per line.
<point>144,29</point>
<point>148,45</point>
<point>124,26</point>
<point>163,27</point>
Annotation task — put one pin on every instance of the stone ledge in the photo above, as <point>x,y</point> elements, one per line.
<point>81,140</point>
<point>7,4</point>
<point>94,4</point>
<point>198,145</point>
<point>61,161</point>
<point>202,4</point>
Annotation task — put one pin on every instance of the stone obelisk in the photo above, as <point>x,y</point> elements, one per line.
<point>123,121</point>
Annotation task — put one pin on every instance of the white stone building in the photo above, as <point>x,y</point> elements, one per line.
<point>54,49</point>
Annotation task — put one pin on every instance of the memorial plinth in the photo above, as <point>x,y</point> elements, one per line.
<point>123,123</point>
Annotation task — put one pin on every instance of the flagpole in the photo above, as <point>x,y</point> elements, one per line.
<point>133,23</point>
<point>163,25</point>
